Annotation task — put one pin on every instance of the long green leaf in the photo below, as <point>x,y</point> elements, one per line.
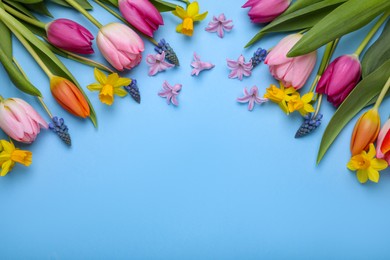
<point>84,3</point>
<point>378,53</point>
<point>21,8</point>
<point>39,8</point>
<point>346,18</point>
<point>28,1</point>
<point>6,40</point>
<point>359,98</point>
<point>297,5</point>
<point>163,6</point>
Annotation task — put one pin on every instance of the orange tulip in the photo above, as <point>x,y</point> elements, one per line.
<point>366,131</point>
<point>69,96</point>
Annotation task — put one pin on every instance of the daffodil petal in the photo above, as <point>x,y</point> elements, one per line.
<point>95,87</point>
<point>8,147</point>
<point>378,164</point>
<point>121,82</point>
<point>179,28</point>
<point>100,76</point>
<point>373,175</point>
<point>6,167</point>
<point>371,151</point>
<point>112,79</point>
<point>307,97</point>
<point>200,17</point>
<point>193,9</point>
<point>120,92</point>
<point>362,176</point>
<point>180,12</point>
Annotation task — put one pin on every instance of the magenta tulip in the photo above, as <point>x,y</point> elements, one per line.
<point>19,120</point>
<point>292,72</point>
<point>142,15</point>
<point>340,78</point>
<point>383,143</point>
<point>120,45</point>
<point>264,11</point>
<point>70,36</point>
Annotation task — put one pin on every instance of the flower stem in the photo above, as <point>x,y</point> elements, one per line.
<point>24,17</point>
<point>382,94</point>
<point>371,33</point>
<point>33,53</point>
<point>318,106</point>
<point>84,12</point>
<point>116,15</point>
<point>315,81</point>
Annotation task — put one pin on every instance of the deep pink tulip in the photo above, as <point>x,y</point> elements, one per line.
<point>19,120</point>
<point>264,11</point>
<point>70,36</point>
<point>340,78</point>
<point>383,143</point>
<point>142,15</point>
<point>120,45</point>
<point>293,72</point>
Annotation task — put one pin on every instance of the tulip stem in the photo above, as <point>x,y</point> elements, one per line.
<point>315,81</point>
<point>330,48</point>
<point>33,53</point>
<point>371,33</point>
<point>45,107</point>
<point>24,17</point>
<point>116,15</point>
<point>318,105</point>
<point>84,12</point>
<point>382,94</point>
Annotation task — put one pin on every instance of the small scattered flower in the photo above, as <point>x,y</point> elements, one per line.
<point>10,155</point>
<point>301,104</point>
<point>199,65</point>
<point>170,93</point>
<point>280,96</point>
<point>157,63</point>
<point>133,90</point>
<point>258,57</point>
<point>188,16</point>
<point>170,54</point>
<point>251,97</point>
<point>58,127</point>
<point>366,165</point>
<point>239,68</point>
<point>311,122</point>
<point>220,25</point>
<point>108,86</point>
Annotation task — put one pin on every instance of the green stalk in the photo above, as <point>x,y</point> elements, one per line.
<point>84,12</point>
<point>24,17</point>
<point>371,33</point>
<point>382,94</point>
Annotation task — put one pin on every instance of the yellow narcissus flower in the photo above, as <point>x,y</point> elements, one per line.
<point>109,86</point>
<point>280,96</point>
<point>188,16</point>
<point>366,165</point>
<point>9,155</point>
<point>301,104</point>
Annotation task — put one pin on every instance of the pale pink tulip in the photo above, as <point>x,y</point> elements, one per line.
<point>19,120</point>
<point>120,45</point>
<point>264,11</point>
<point>293,72</point>
<point>383,143</point>
<point>142,15</point>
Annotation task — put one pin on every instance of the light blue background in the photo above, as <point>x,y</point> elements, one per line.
<point>205,180</point>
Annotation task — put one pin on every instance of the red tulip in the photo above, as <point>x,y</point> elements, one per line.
<point>383,143</point>
<point>264,11</point>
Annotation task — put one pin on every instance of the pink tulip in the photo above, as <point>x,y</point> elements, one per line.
<point>291,71</point>
<point>19,120</point>
<point>142,15</point>
<point>70,36</point>
<point>340,78</point>
<point>383,143</point>
<point>264,11</point>
<point>120,45</point>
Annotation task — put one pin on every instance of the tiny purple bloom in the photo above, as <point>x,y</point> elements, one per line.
<point>170,93</point>
<point>252,97</point>
<point>199,65</point>
<point>220,25</point>
<point>239,68</point>
<point>157,63</point>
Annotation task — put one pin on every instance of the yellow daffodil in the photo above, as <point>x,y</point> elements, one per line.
<point>280,96</point>
<point>366,165</point>
<point>109,86</point>
<point>188,16</point>
<point>9,155</point>
<point>301,104</point>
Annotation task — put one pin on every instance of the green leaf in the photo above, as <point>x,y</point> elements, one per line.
<point>84,3</point>
<point>39,8</point>
<point>378,53</point>
<point>21,8</point>
<point>111,2</point>
<point>163,6</point>
<point>346,18</point>
<point>16,77</point>
<point>47,56</point>
<point>297,5</point>
<point>303,18</point>
<point>28,1</point>
<point>6,40</point>
<point>360,97</point>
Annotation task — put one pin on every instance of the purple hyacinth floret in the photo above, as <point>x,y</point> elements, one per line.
<point>133,90</point>
<point>170,54</point>
<point>309,124</point>
<point>258,57</point>
<point>58,127</point>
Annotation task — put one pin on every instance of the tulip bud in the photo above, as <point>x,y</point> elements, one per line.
<point>19,120</point>
<point>340,78</point>
<point>69,35</point>
<point>142,15</point>
<point>69,96</point>
<point>120,45</point>
<point>383,143</point>
<point>293,72</point>
<point>264,11</point>
<point>366,131</point>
